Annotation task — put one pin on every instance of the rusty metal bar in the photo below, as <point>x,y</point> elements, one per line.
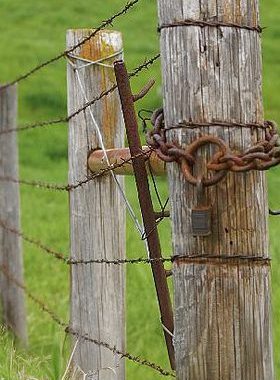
<point>97,161</point>
<point>146,205</point>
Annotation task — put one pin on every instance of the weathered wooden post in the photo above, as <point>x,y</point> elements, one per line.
<point>97,214</point>
<point>211,60</point>
<point>12,297</point>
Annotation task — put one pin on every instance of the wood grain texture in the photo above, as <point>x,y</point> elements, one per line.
<point>222,312</point>
<point>12,297</point>
<point>97,214</point>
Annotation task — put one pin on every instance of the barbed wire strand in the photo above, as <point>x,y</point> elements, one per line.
<point>135,359</point>
<point>43,307</point>
<point>74,186</point>
<point>70,261</point>
<point>30,295</point>
<point>35,242</point>
<point>107,22</point>
<point>65,119</point>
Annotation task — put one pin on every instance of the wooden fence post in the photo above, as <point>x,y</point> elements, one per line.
<point>97,213</point>
<point>12,297</point>
<point>222,306</point>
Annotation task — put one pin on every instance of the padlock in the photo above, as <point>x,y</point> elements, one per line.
<point>202,213</point>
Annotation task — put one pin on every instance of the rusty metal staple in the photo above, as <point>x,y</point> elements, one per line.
<point>263,155</point>
<point>68,329</point>
<point>215,24</point>
<point>105,23</point>
<point>65,119</point>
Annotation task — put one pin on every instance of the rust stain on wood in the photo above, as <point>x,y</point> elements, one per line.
<point>95,49</point>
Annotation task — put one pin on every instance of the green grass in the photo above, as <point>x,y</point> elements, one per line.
<point>30,32</point>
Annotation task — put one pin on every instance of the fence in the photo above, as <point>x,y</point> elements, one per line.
<point>223,256</point>
<point>81,186</point>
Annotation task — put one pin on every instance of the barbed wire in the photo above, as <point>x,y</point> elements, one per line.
<point>107,22</point>
<point>70,261</point>
<point>135,359</point>
<point>139,260</point>
<point>74,186</point>
<point>30,295</point>
<point>69,330</point>
<point>65,119</point>
<point>58,255</point>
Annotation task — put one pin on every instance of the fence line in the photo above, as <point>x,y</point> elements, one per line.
<point>65,119</point>
<point>43,307</point>
<point>65,258</point>
<point>107,22</point>
<point>74,186</point>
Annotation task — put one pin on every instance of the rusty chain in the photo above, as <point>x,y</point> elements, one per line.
<point>69,330</point>
<point>263,155</point>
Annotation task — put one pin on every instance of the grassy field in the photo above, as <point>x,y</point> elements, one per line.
<point>30,32</point>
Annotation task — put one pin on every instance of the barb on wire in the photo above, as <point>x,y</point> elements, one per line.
<point>31,296</point>
<point>135,359</point>
<point>71,261</point>
<point>65,119</point>
<point>37,184</point>
<point>64,53</point>
<point>140,260</point>
<point>74,186</point>
<point>35,242</point>
<point>43,307</point>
